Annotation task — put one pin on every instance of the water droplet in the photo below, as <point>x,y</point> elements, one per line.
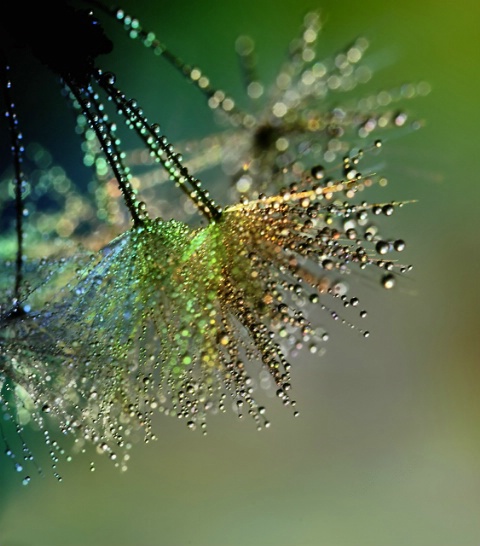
<point>382,247</point>
<point>388,281</point>
<point>388,210</point>
<point>318,172</point>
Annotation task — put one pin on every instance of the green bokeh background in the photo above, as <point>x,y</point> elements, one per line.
<point>386,451</point>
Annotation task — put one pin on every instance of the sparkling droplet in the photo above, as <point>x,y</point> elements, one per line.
<point>388,281</point>
<point>382,247</point>
<point>318,172</point>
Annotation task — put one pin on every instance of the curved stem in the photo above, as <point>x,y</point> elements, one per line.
<point>160,147</point>
<point>17,152</point>
<point>106,142</point>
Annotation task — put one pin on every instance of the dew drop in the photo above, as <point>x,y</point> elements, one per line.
<point>318,172</point>
<point>382,247</point>
<point>400,119</point>
<point>388,210</point>
<point>388,281</point>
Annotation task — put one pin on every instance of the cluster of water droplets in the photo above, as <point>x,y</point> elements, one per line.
<point>309,114</point>
<point>176,319</point>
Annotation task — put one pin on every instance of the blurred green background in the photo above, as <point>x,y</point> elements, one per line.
<point>386,451</point>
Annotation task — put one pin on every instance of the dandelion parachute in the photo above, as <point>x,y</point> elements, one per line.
<point>180,319</point>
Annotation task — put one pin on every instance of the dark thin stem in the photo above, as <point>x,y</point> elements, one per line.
<point>159,145</point>
<point>106,141</point>
<point>114,145</point>
<point>17,153</point>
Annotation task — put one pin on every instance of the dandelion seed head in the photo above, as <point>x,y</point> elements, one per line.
<point>304,118</point>
<point>187,321</point>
